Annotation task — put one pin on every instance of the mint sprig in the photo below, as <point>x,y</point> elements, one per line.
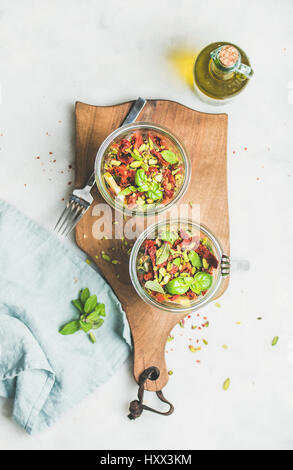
<point>90,312</point>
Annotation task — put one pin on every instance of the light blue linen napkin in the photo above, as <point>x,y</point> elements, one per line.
<point>44,372</point>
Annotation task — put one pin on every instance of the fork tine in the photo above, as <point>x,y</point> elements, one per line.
<point>74,222</point>
<point>71,222</point>
<point>62,216</point>
<point>67,222</point>
<point>66,218</point>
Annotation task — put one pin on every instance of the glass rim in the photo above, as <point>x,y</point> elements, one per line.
<point>141,125</point>
<point>133,271</point>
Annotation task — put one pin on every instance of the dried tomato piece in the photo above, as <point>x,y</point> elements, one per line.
<point>153,170</point>
<point>204,252</point>
<point>148,276</point>
<point>174,297</point>
<point>125,158</point>
<point>151,249</point>
<point>174,269</point>
<point>136,140</point>
<point>191,295</point>
<point>131,201</point>
<point>124,144</point>
<point>160,297</point>
<point>159,157</point>
<point>168,183</point>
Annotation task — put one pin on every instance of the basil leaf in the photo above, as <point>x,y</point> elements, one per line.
<point>196,288</point>
<point>85,326</point>
<point>177,286</point>
<point>195,259</point>
<point>97,313</point>
<point>155,194</point>
<point>127,191</point>
<point>70,328</point>
<point>84,295</point>
<point>188,280</point>
<point>77,303</point>
<point>169,156</point>
<point>101,310</point>
<point>204,280</point>
<point>90,304</point>
<point>168,236</point>
<point>162,253</point>
<point>97,324</point>
<point>155,286</point>
<point>141,180</point>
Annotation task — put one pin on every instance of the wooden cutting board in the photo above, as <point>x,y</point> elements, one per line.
<point>205,138</point>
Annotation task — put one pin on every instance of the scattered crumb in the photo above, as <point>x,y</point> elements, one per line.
<point>217,305</point>
<point>225,346</point>
<point>88,261</point>
<point>50,153</point>
<point>238,323</point>
<point>75,280</point>
<point>69,183</point>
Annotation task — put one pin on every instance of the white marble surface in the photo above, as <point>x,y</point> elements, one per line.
<point>56,52</point>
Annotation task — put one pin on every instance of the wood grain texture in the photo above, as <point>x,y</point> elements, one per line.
<point>205,138</point>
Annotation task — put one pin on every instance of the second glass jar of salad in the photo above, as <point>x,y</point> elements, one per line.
<point>176,266</point>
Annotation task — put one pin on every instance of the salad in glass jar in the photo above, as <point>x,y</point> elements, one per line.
<point>143,170</point>
<point>177,266</point>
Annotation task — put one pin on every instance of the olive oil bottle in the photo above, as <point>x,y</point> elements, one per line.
<point>221,71</point>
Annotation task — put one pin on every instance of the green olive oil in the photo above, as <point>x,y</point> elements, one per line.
<point>221,71</point>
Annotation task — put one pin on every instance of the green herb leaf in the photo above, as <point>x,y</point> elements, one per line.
<point>127,191</point>
<point>85,326</point>
<point>84,295</point>
<point>141,180</point>
<point>77,303</point>
<point>169,156</point>
<point>196,288</point>
<point>98,323</point>
<point>205,280</point>
<point>100,308</point>
<point>154,191</point>
<point>177,286</point>
<point>155,286</point>
<point>194,259</point>
<point>70,328</point>
<point>162,253</point>
<point>90,304</point>
<point>168,236</point>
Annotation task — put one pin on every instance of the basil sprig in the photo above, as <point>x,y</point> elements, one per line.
<point>90,312</point>
<point>152,189</point>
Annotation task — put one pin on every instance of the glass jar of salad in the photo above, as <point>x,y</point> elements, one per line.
<point>142,168</point>
<point>177,266</point>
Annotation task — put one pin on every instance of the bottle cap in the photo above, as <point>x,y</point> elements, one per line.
<point>228,56</point>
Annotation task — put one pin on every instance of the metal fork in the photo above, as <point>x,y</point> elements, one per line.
<point>81,199</point>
